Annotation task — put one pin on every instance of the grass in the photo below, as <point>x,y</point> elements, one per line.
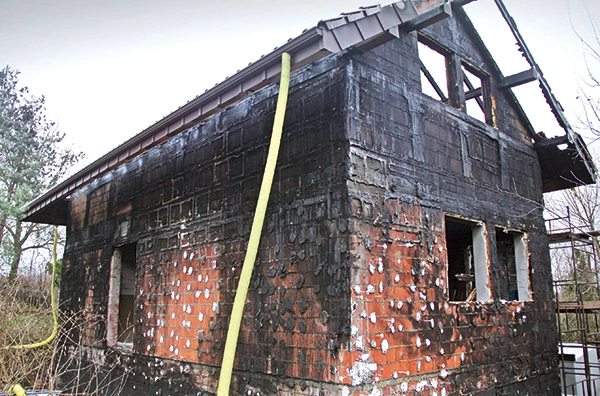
<point>24,321</point>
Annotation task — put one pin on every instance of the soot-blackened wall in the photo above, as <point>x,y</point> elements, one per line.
<point>415,160</point>
<point>188,205</point>
<point>350,293</point>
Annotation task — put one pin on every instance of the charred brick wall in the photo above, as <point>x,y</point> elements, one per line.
<point>413,160</point>
<point>350,293</point>
<point>188,205</point>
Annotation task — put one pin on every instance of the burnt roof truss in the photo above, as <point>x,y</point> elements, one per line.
<point>571,164</point>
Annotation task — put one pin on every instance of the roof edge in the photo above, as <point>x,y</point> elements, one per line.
<point>263,71</point>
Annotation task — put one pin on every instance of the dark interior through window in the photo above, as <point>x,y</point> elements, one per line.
<point>505,248</point>
<point>459,245</point>
<point>127,292</point>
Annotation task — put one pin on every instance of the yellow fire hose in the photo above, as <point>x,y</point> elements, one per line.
<point>255,233</point>
<point>18,389</point>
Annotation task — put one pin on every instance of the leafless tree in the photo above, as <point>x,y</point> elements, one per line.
<point>589,92</point>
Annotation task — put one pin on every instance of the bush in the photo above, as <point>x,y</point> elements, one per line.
<point>62,364</point>
<point>26,318</point>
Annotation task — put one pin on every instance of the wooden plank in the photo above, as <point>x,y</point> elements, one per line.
<point>586,306</point>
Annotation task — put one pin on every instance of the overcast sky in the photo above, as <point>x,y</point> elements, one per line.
<point>111,68</point>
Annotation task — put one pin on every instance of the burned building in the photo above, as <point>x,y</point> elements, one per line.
<point>404,249</point>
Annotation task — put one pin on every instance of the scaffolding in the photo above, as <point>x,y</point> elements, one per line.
<point>574,251</point>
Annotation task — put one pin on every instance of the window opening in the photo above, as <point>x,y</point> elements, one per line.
<point>511,248</point>
<point>127,293</point>
<point>473,87</point>
<point>468,275</point>
<point>452,79</point>
<point>434,82</point>
<point>121,299</point>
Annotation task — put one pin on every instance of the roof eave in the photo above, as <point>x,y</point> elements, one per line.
<point>304,49</point>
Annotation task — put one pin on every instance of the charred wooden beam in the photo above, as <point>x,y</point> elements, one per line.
<point>473,93</point>
<point>428,18</point>
<point>456,83</point>
<point>524,77</point>
<point>552,142</point>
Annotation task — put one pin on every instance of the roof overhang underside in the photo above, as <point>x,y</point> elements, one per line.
<point>565,162</point>
<point>55,213</point>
